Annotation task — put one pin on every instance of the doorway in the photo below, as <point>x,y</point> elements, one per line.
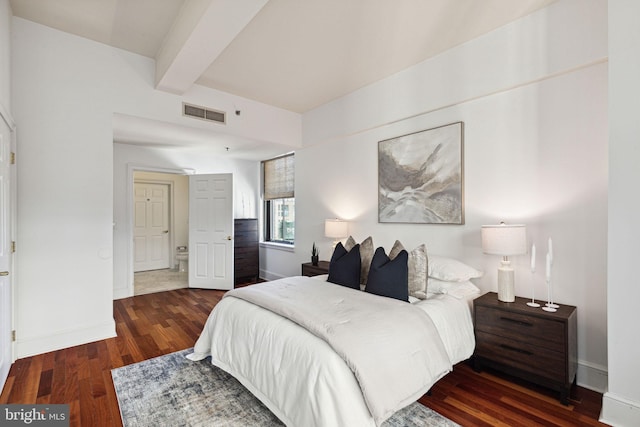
<point>160,226</point>
<point>151,215</point>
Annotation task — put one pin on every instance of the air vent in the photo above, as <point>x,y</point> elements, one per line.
<point>203,113</point>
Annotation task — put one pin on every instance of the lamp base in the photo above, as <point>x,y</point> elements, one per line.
<point>506,287</point>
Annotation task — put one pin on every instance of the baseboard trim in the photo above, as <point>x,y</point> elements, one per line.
<point>618,411</point>
<point>592,376</point>
<point>64,339</point>
<point>268,275</point>
<point>121,293</point>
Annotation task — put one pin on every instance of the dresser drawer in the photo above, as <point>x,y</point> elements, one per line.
<point>246,225</point>
<point>242,237</point>
<point>545,333</point>
<point>246,252</point>
<point>522,355</point>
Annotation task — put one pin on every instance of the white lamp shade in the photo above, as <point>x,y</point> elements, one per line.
<point>336,228</point>
<point>504,239</point>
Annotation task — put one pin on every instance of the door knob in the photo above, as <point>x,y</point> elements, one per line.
<point>4,273</point>
<point>165,231</point>
<point>228,237</point>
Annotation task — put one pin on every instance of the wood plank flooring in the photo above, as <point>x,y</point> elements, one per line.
<point>155,324</point>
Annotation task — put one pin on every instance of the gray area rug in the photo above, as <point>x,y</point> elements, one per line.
<point>171,390</point>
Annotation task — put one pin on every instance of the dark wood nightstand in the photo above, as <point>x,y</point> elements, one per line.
<point>527,342</point>
<point>309,269</point>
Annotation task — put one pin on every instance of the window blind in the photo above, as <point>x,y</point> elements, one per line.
<point>279,177</point>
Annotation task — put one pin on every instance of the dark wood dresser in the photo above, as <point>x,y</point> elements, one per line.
<point>528,343</point>
<point>246,265</point>
<point>309,269</point>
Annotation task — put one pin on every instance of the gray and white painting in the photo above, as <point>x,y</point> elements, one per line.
<point>420,177</point>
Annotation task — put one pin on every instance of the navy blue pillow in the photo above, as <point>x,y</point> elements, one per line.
<point>389,278</point>
<point>344,267</point>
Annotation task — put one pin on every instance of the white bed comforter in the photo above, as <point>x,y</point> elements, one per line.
<point>362,357</point>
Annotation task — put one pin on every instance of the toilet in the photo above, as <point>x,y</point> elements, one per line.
<point>182,257</point>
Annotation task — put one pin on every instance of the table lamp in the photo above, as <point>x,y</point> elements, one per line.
<point>505,240</point>
<point>336,229</point>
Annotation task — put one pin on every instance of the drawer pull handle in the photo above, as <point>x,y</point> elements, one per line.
<point>519,350</point>
<point>519,322</point>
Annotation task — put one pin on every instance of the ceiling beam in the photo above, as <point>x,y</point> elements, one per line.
<point>200,33</point>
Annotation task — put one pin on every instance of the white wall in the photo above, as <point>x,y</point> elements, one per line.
<point>621,403</point>
<point>246,178</point>
<point>565,35</point>
<point>533,97</point>
<point>65,91</point>
<point>5,55</point>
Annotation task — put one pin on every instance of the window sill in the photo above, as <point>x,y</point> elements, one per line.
<point>278,246</point>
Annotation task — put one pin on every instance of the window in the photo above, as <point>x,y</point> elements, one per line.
<point>279,201</point>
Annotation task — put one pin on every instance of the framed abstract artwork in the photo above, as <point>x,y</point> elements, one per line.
<point>420,177</point>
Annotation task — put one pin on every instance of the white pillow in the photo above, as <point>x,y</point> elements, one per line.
<point>450,270</point>
<point>457,290</point>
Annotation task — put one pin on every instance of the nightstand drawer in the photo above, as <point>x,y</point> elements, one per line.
<point>545,333</point>
<point>525,356</point>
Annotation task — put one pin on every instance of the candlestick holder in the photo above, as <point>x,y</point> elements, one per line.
<point>547,306</point>
<point>533,302</point>
<point>551,303</point>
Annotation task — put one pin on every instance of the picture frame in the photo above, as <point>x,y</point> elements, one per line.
<point>421,177</point>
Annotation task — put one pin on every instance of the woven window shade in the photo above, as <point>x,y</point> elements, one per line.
<point>279,177</point>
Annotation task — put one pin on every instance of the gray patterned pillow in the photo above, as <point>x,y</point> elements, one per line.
<point>418,266</point>
<point>366,255</point>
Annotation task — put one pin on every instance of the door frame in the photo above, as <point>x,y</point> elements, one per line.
<point>135,167</point>
<point>6,117</point>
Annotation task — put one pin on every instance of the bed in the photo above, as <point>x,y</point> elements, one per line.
<point>294,352</point>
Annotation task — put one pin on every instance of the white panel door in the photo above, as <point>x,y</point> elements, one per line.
<point>150,227</point>
<point>5,252</point>
<point>211,231</point>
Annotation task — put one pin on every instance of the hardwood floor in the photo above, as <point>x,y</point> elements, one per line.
<point>155,324</point>
<point>492,399</point>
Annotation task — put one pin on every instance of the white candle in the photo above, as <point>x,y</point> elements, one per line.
<point>548,266</point>
<point>533,258</point>
<point>550,251</point>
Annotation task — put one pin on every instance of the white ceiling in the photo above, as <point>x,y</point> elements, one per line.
<point>292,54</point>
